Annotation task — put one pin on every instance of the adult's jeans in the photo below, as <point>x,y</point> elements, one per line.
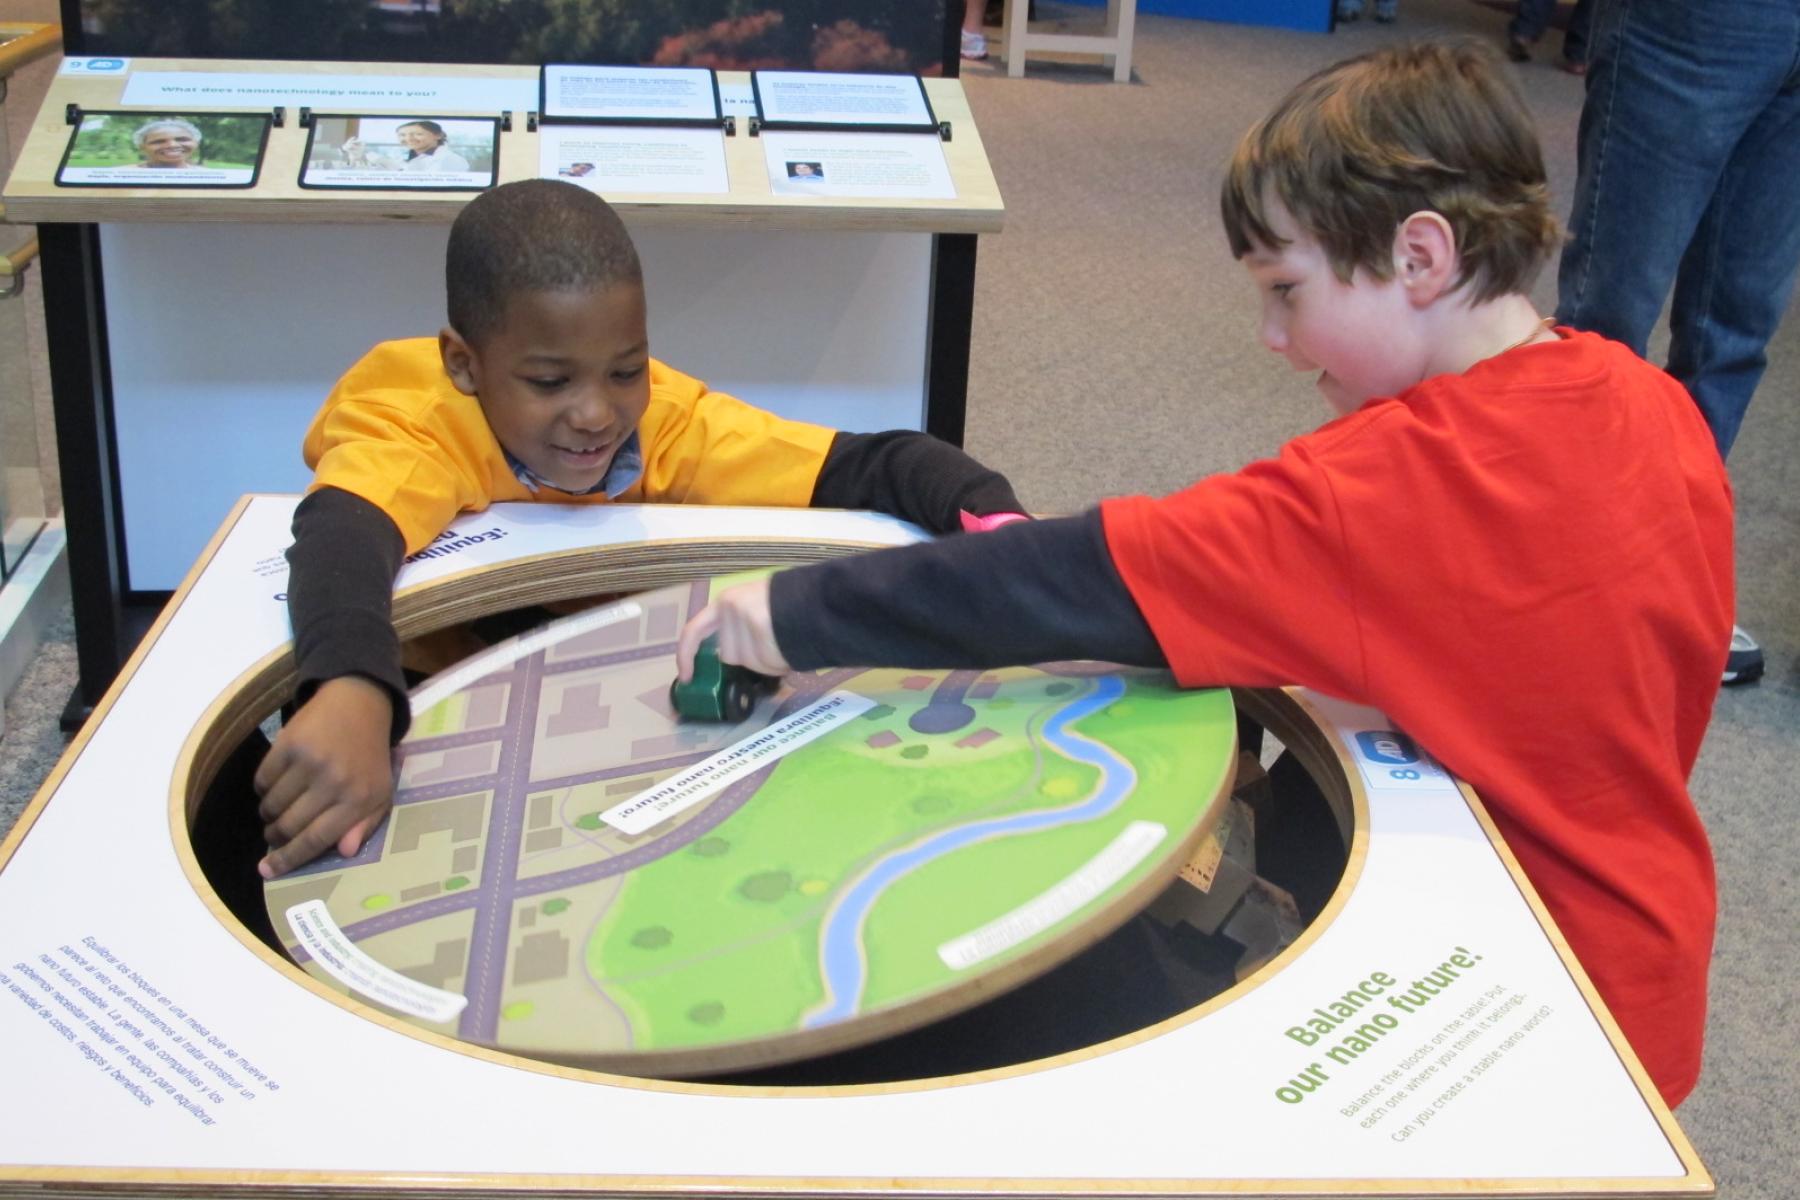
<point>1689,170</point>
<point>1532,17</point>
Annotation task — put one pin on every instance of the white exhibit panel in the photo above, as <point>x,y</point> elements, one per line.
<point>142,1036</point>
<point>218,367</point>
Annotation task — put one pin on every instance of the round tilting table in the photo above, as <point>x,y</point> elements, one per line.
<point>572,872</point>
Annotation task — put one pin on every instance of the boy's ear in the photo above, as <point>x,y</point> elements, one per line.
<point>1425,256</point>
<point>459,360</point>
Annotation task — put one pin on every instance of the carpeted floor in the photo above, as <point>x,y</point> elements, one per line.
<point>1114,352</point>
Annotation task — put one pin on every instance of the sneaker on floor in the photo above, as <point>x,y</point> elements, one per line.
<point>1387,13</point>
<point>1518,49</point>
<point>1349,10</point>
<point>1745,662</point>
<point>974,46</point>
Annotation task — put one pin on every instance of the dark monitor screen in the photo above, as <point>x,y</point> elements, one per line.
<point>824,35</point>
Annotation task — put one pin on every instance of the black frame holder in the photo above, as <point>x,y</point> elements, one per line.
<point>756,127</point>
<point>500,123</point>
<point>75,114</point>
<point>717,121</point>
<point>931,124</point>
<point>72,114</point>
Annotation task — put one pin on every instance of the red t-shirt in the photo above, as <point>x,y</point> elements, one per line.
<point>1527,567</point>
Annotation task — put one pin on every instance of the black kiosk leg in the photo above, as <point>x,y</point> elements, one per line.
<point>951,324</point>
<point>75,327</point>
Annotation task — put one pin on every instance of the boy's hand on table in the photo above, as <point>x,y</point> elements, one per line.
<point>746,629</point>
<point>329,778</point>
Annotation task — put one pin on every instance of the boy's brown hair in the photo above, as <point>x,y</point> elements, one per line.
<point>1362,145</point>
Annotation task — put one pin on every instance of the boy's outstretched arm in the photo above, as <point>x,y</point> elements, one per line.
<point>912,475</point>
<point>1031,592</point>
<point>328,779</point>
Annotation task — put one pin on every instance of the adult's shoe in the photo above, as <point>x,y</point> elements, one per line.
<point>1745,661</point>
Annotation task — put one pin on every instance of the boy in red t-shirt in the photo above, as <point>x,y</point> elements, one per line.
<point>1494,500</point>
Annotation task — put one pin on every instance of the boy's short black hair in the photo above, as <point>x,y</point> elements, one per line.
<point>1362,145</point>
<point>536,235</point>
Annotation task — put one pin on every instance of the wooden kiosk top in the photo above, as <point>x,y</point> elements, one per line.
<point>31,195</point>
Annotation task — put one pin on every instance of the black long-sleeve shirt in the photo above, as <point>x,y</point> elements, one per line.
<point>1029,592</point>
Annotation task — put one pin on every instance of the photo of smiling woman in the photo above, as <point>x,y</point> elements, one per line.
<point>167,143</point>
<point>424,146</point>
<point>372,151</point>
<point>167,149</point>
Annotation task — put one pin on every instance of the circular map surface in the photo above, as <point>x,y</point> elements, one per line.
<point>572,873</point>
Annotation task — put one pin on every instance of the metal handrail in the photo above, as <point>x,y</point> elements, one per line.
<point>16,261</point>
<point>21,43</point>
<point>12,269</point>
<point>29,43</point>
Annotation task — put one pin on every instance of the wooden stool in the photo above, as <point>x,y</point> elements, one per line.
<point>1114,44</point>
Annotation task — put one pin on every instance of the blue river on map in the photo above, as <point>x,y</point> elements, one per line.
<point>846,970</point>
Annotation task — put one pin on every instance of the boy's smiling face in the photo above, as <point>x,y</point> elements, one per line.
<point>563,380</point>
<point>1360,336</point>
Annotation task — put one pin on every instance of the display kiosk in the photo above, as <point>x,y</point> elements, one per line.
<point>1428,1034</point>
<point>194,330</point>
